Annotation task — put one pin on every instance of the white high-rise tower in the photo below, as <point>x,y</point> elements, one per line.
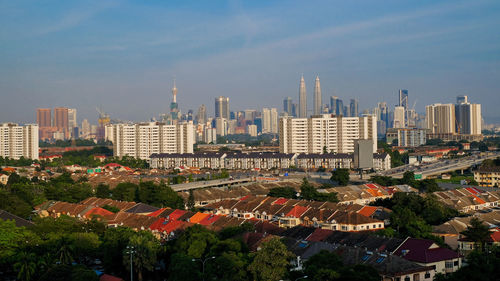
<point>302,98</point>
<point>317,97</point>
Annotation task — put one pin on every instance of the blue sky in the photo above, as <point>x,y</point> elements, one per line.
<point>123,55</point>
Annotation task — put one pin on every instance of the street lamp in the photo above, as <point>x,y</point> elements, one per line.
<point>203,265</point>
<point>130,251</point>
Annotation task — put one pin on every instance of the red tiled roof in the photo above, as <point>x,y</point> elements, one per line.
<point>495,236</point>
<point>112,165</point>
<point>244,198</point>
<point>371,185</point>
<point>176,214</point>
<point>99,212</point>
<point>479,200</point>
<point>367,211</point>
<point>107,277</point>
<point>156,213</point>
<point>209,220</point>
<point>297,211</point>
<point>280,201</point>
<point>173,225</point>
<point>319,235</point>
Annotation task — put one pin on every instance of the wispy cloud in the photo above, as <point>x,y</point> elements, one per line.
<point>75,17</point>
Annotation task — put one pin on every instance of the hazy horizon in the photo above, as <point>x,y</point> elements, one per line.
<point>123,55</point>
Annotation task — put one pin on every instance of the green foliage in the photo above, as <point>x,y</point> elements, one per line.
<point>285,192</point>
<point>426,185</point>
<point>125,191</point>
<point>196,241</point>
<point>481,265</point>
<point>232,231</point>
<point>477,232</point>
<point>159,195</point>
<point>412,214</point>
<point>190,202</point>
<point>271,262</point>
<point>111,208</point>
<point>341,176</point>
<point>308,192</point>
<point>146,249</point>
<point>102,191</point>
<point>183,268</point>
<point>325,266</point>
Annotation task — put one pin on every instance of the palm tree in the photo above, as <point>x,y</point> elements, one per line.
<point>26,266</point>
<point>146,248</point>
<point>64,253</point>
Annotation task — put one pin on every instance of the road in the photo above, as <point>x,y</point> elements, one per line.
<point>441,166</point>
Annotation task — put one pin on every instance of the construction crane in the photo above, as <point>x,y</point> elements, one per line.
<point>103,117</point>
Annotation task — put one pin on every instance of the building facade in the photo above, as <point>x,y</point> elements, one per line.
<point>143,139</point>
<point>325,133</point>
<point>406,137</point>
<point>19,141</point>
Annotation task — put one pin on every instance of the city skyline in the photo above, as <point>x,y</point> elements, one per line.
<point>86,55</point>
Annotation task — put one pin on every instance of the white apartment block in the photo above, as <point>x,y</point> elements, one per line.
<point>269,120</point>
<point>440,118</point>
<point>143,139</point>
<point>19,141</point>
<point>327,131</point>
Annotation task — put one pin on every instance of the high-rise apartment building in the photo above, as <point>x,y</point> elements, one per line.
<point>61,121</point>
<point>140,140</point>
<point>222,107</point>
<point>440,118</point>
<point>325,132</point>
<point>44,117</point>
<point>302,98</point>
<point>469,118</point>
<point>353,108</point>
<point>318,103</point>
<point>252,130</point>
<point>269,121</point>
<point>19,141</point>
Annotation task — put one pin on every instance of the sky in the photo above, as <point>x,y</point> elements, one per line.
<point>122,56</point>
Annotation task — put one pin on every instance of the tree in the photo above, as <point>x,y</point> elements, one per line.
<point>341,176</point>
<point>307,191</point>
<point>196,241</point>
<point>477,232</point>
<point>102,191</point>
<point>25,266</point>
<point>271,261</point>
<point>284,191</point>
<point>190,202</point>
<point>323,266</point>
<point>125,191</point>
<point>113,244</point>
<point>146,249</point>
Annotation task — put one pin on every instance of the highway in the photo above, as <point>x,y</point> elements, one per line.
<point>211,183</point>
<point>441,166</point>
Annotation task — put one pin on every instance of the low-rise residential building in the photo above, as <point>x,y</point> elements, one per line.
<point>488,176</point>
<point>427,253</point>
<point>406,137</point>
<point>259,161</point>
<point>469,199</point>
<point>292,212</point>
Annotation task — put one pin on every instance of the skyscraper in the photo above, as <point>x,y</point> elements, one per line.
<point>317,97</point>
<point>222,107</point>
<point>201,116</point>
<point>333,104</point>
<point>19,141</point>
<point>462,99</point>
<point>302,98</point>
<point>287,105</point>
<point>403,98</point>
<point>353,108</point>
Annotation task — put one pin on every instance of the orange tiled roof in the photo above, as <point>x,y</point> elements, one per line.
<point>198,217</point>
<point>367,211</point>
<point>98,212</point>
<point>297,211</point>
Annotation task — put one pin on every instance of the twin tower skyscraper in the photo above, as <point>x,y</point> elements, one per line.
<point>318,104</point>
